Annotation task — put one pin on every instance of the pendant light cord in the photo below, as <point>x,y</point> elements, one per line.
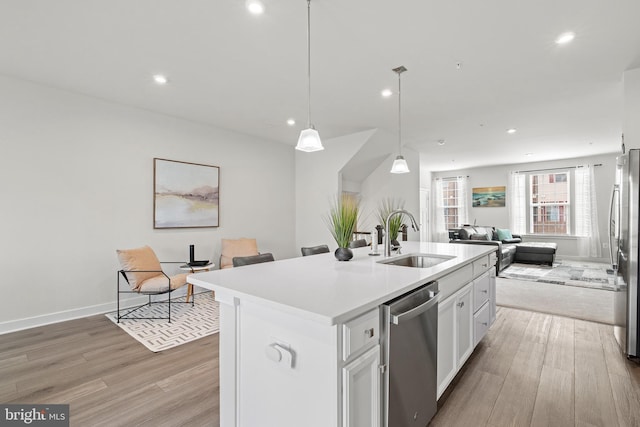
<point>309,61</point>
<point>399,118</point>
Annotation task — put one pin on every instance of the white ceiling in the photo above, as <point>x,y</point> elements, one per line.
<point>248,73</point>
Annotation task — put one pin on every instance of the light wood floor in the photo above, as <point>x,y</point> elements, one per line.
<point>108,378</point>
<point>532,369</point>
<point>535,369</point>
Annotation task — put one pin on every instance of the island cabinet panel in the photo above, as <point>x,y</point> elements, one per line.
<point>464,324</point>
<point>447,363</point>
<point>362,390</point>
<point>282,365</point>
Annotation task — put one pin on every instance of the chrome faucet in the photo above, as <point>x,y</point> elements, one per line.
<point>414,225</point>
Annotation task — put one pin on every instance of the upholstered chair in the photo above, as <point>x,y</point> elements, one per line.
<point>232,248</point>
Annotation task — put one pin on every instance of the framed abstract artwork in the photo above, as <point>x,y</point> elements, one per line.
<point>185,195</point>
<point>488,197</point>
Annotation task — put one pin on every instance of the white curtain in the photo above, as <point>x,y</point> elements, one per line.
<point>463,199</point>
<point>586,213</point>
<point>441,233</point>
<point>517,202</point>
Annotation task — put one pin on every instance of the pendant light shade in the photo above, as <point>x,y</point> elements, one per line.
<point>309,139</point>
<point>399,164</point>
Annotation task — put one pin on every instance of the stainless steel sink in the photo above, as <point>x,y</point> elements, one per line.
<point>417,260</point>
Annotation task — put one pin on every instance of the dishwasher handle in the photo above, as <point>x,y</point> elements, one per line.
<point>396,319</point>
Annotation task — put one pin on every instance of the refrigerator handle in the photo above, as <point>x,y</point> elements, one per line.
<point>613,231</point>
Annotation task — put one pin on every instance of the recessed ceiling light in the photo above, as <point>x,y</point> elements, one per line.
<point>511,130</point>
<point>387,93</point>
<point>160,79</point>
<point>441,142</point>
<point>528,154</point>
<point>291,122</point>
<point>565,38</point>
<point>255,7</point>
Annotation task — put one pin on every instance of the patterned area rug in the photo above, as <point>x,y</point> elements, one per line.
<point>593,275</point>
<point>187,323</point>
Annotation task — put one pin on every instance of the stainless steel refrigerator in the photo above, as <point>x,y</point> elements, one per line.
<point>624,224</point>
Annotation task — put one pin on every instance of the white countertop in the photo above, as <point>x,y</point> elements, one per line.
<point>329,291</point>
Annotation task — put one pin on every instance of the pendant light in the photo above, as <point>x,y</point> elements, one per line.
<point>309,139</point>
<point>399,164</point>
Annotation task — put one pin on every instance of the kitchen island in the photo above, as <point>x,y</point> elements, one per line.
<point>300,338</point>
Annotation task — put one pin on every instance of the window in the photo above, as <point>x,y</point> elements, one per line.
<point>549,204</point>
<point>451,203</point>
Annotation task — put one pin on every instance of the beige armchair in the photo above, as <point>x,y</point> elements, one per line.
<point>142,271</point>
<point>232,248</point>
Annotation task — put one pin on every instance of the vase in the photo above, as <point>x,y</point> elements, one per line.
<point>343,254</point>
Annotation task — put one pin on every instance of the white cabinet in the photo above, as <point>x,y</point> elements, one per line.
<point>455,335</point>
<point>361,380</point>
<point>447,360</point>
<point>484,304</point>
<point>464,324</point>
<point>464,315</point>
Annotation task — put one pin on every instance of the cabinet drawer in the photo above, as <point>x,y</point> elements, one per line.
<point>360,333</point>
<point>481,323</point>
<point>493,258</point>
<point>481,291</point>
<point>481,265</point>
<point>452,282</point>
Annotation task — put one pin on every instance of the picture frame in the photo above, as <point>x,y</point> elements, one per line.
<point>488,197</point>
<point>185,195</point>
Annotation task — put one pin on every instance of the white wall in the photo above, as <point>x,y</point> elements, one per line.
<point>382,184</point>
<point>318,182</point>
<point>631,123</point>
<point>76,175</point>
<point>499,176</point>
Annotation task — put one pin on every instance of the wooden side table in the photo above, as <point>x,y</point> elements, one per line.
<point>194,269</point>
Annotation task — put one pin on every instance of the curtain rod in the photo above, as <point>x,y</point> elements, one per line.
<point>452,177</point>
<point>555,169</point>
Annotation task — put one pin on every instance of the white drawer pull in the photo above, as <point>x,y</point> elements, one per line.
<point>461,304</point>
<point>369,333</point>
<point>484,291</point>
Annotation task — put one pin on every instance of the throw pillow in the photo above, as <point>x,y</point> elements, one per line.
<point>479,236</point>
<point>504,234</point>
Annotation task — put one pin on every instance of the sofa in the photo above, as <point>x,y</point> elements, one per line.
<point>510,247</point>
<point>483,235</point>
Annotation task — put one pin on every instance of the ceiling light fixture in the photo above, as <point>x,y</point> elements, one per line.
<point>291,122</point>
<point>399,164</point>
<point>565,38</point>
<point>441,142</point>
<point>160,79</point>
<point>511,130</point>
<point>255,7</point>
<point>386,93</point>
<point>309,139</point>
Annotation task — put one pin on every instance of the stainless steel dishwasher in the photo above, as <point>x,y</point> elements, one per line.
<point>411,353</point>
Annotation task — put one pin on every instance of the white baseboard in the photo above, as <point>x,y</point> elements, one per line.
<point>62,316</point>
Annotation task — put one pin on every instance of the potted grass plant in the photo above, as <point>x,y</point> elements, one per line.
<point>385,207</point>
<point>341,221</point>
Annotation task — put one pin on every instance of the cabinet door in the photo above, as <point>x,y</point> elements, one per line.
<point>492,296</point>
<point>361,386</point>
<point>464,317</point>
<point>447,360</point>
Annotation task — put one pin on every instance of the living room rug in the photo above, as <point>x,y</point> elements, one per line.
<point>593,275</point>
<point>187,323</point>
